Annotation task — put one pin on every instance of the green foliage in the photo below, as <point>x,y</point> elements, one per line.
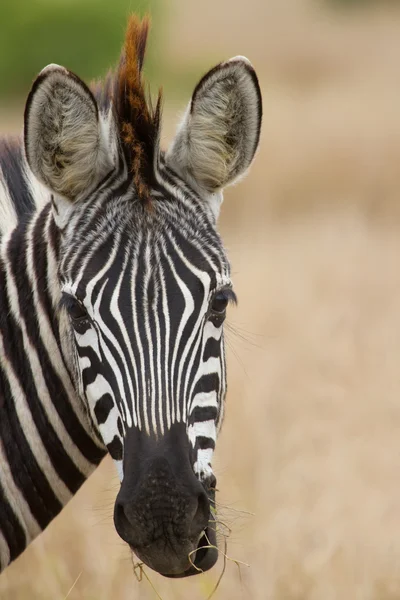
<point>83,35</point>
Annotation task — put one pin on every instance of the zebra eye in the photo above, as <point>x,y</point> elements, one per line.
<point>75,309</point>
<point>219,303</point>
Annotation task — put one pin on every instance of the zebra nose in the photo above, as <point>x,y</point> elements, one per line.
<point>137,523</point>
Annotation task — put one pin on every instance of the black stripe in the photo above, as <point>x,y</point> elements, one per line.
<point>212,349</point>
<point>203,413</point>
<point>40,267</point>
<point>103,408</point>
<point>204,443</point>
<point>11,529</point>
<point>115,448</point>
<point>207,383</point>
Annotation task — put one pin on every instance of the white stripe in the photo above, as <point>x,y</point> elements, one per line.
<point>212,365</point>
<point>40,194</point>
<point>211,331</point>
<point>204,399</point>
<point>151,384</point>
<point>222,388</point>
<point>96,389</point>
<point>161,400</point>
<point>4,553</point>
<point>120,468</point>
<point>88,339</point>
<point>167,400</point>
<point>8,215</point>
<point>202,429</point>
<point>202,467</point>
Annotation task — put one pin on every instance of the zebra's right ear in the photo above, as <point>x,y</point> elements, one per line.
<point>65,142</point>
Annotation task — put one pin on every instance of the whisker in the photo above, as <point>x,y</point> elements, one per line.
<point>236,355</point>
<point>244,335</point>
<point>73,585</point>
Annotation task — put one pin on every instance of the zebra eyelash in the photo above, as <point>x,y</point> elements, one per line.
<point>227,293</point>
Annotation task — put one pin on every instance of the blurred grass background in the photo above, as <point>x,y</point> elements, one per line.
<point>311,441</point>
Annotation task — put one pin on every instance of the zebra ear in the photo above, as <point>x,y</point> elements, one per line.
<point>219,135</point>
<point>64,141</point>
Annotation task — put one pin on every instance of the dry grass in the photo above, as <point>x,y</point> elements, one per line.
<point>311,442</point>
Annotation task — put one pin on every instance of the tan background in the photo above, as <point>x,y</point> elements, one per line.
<point>311,441</point>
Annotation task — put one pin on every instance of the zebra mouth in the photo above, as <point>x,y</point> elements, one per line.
<point>175,551</point>
<point>205,555</point>
<point>201,559</point>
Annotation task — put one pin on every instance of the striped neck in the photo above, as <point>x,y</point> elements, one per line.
<point>48,446</point>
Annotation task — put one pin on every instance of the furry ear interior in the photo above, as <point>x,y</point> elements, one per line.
<point>64,142</point>
<point>219,135</point>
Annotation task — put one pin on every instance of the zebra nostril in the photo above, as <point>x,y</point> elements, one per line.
<point>122,523</point>
<point>201,516</point>
<point>212,482</point>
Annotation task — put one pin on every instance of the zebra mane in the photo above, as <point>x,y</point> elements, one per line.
<point>138,121</point>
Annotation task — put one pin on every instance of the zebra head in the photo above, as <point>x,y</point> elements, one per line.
<point>145,282</point>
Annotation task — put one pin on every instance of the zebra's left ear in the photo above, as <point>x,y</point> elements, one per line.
<point>65,139</point>
<point>219,135</point>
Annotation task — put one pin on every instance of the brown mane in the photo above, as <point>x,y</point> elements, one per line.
<point>138,121</point>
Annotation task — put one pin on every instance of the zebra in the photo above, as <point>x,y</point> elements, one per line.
<point>114,287</point>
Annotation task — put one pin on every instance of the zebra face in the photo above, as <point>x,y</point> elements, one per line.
<point>145,283</point>
<point>148,336</point>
